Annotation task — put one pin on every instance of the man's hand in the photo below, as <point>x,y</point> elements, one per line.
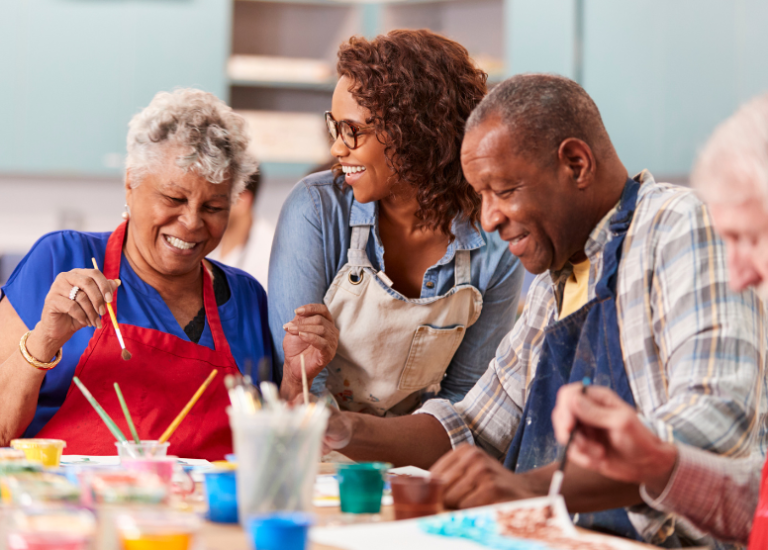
<point>473,478</point>
<point>610,438</point>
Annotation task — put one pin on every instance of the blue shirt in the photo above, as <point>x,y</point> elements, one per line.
<point>310,247</point>
<point>243,316</point>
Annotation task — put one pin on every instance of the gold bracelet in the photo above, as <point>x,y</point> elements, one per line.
<point>34,362</point>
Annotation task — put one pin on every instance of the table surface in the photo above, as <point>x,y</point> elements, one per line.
<point>218,536</point>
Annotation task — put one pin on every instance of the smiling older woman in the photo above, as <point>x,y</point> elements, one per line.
<point>181,316</point>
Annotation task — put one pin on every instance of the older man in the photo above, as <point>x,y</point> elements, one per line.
<point>631,292</point>
<point>717,494</point>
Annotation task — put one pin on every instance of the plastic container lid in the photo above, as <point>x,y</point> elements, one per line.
<point>37,443</point>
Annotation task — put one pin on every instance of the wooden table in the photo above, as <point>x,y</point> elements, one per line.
<point>219,536</point>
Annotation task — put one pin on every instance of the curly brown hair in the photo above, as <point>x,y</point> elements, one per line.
<point>420,88</point>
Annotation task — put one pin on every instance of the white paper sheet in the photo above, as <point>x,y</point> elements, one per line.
<point>407,534</point>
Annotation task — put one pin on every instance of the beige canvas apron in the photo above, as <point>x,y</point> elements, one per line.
<point>391,348</point>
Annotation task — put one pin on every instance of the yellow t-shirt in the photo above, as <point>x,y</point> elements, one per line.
<point>576,291</point>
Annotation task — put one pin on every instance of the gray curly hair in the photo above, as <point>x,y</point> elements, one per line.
<point>212,137</point>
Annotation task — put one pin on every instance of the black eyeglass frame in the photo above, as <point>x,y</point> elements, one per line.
<point>335,129</point>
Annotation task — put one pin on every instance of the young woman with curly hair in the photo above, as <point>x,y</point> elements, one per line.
<point>429,322</point>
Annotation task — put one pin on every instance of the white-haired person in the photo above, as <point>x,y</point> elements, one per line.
<point>718,494</point>
<point>181,316</point>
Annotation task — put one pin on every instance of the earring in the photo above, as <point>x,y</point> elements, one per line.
<point>126,213</point>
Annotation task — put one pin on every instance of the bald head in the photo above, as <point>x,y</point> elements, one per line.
<point>542,111</point>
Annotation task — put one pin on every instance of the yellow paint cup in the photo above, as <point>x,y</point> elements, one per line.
<point>44,451</point>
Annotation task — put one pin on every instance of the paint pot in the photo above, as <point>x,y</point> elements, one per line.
<point>221,495</point>
<point>131,449</point>
<point>50,528</point>
<point>416,497</point>
<point>47,541</point>
<point>157,530</point>
<point>160,465</point>
<point>9,454</point>
<point>44,451</point>
<point>361,486</point>
<point>279,530</point>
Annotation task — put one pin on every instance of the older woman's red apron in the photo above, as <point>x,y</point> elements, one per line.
<point>157,382</point>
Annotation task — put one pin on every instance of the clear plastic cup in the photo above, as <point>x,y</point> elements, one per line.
<point>9,454</point>
<point>45,451</point>
<point>160,465</point>
<point>157,530</point>
<point>278,453</point>
<point>361,486</point>
<point>50,528</point>
<point>131,449</point>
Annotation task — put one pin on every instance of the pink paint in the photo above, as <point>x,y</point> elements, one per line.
<point>162,466</point>
<point>47,541</point>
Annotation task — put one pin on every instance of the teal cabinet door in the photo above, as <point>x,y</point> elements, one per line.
<point>665,73</point>
<point>73,72</point>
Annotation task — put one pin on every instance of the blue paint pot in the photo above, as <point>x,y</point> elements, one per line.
<point>221,493</point>
<point>279,530</point>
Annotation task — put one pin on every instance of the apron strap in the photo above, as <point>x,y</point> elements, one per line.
<point>462,268</point>
<point>357,255</point>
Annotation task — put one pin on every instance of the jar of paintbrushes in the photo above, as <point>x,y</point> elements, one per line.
<point>278,452</point>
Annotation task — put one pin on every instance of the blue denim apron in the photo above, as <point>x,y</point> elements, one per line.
<point>585,343</point>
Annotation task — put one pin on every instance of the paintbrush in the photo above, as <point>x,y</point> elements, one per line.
<point>127,414</point>
<point>557,477</point>
<point>304,384</point>
<point>125,354</point>
<point>176,421</point>
<point>101,412</point>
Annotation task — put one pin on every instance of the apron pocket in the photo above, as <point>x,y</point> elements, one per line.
<point>431,352</point>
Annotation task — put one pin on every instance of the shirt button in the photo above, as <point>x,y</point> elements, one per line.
<point>430,284</point>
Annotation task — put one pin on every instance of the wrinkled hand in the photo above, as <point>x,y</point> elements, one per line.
<point>610,438</point>
<point>312,333</point>
<point>473,478</point>
<point>62,317</point>
<point>338,433</point>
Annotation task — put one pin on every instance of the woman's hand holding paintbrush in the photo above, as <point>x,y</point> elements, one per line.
<point>125,354</point>
<point>313,335</point>
<point>75,300</point>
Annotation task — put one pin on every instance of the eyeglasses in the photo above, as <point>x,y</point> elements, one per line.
<point>348,131</point>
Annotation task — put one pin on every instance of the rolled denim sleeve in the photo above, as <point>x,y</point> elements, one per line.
<point>301,264</point>
<point>496,320</point>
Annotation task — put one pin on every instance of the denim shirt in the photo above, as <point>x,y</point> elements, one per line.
<point>310,246</point>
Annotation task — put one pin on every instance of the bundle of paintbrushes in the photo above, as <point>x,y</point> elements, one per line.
<point>277,448</point>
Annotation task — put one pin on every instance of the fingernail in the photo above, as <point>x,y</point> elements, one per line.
<point>98,323</point>
<point>289,326</point>
<point>299,311</point>
<point>302,334</point>
<point>108,297</point>
<point>102,310</point>
<point>118,281</point>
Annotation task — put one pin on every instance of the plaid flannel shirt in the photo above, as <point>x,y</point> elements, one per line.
<point>717,494</point>
<point>694,350</point>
